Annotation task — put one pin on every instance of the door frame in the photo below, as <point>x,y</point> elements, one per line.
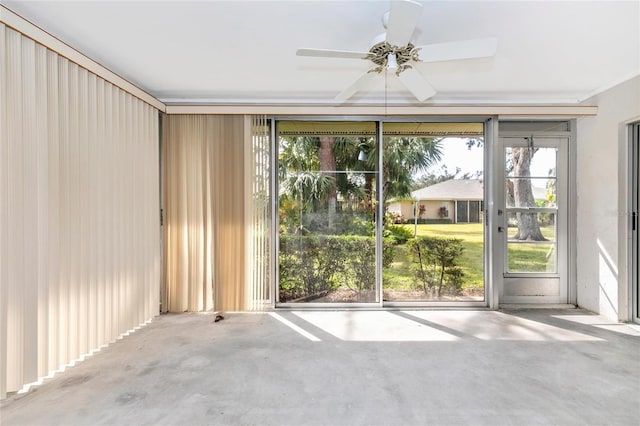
<point>490,130</point>
<point>633,223</point>
<point>566,262</point>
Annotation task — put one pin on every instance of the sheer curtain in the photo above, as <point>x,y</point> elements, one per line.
<point>79,201</point>
<point>211,193</point>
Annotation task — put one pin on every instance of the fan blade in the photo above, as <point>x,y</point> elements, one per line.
<point>466,49</point>
<point>403,18</point>
<point>326,53</point>
<point>361,83</point>
<point>417,84</point>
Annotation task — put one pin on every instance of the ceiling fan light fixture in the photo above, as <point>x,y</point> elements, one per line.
<point>392,62</point>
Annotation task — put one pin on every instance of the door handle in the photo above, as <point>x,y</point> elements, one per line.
<point>500,229</point>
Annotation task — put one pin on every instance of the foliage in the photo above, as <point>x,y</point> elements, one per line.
<point>545,219</point>
<point>305,269</point>
<point>304,182</point>
<point>400,275</point>
<point>292,221</point>
<point>314,265</point>
<point>393,217</point>
<point>350,224</point>
<point>443,174</point>
<point>397,234</point>
<point>435,264</point>
<point>404,158</point>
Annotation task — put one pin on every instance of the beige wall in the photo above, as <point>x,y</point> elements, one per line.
<point>79,211</point>
<point>431,209</point>
<point>602,178</point>
<point>404,208</point>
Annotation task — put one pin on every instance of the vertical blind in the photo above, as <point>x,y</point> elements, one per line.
<point>79,219</point>
<point>214,183</point>
<point>258,213</point>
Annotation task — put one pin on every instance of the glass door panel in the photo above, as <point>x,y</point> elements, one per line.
<point>533,219</point>
<point>527,256</point>
<point>434,223</point>
<point>327,175</point>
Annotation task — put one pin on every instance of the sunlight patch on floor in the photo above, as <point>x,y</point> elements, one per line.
<point>499,326</point>
<point>601,322</point>
<point>294,327</point>
<point>373,326</point>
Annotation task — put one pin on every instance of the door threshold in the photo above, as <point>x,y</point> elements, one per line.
<point>518,306</point>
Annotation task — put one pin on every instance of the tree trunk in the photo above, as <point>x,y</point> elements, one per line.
<point>528,227</point>
<point>328,168</point>
<point>441,280</point>
<point>368,189</point>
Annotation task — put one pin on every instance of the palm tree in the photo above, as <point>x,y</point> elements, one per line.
<point>298,172</point>
<point>314,170</point>
<point>327,162</point>
<point>404,158</point>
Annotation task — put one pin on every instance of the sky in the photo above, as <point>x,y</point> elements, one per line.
<point>456,154</point>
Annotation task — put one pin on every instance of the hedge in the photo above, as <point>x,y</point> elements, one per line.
<point>314,265</point>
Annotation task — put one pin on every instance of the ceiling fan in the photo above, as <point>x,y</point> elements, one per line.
<point>393,51</point>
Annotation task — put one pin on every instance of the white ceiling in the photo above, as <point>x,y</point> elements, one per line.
<point>244,51</point>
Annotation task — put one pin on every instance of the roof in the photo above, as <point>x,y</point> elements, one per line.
<point>453,189</point>
<point>460,189</point>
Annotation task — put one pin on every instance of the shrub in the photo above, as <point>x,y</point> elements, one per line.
<point>393,217</point>
<point>434,261</point>
<point>398,234</point>
<point>388,251</point>
<point>304,268</point>
<point>313,265</point>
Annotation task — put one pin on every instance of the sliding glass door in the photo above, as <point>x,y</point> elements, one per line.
<point>434,223</point>
<point>327,198</point>
<point>419,240</point>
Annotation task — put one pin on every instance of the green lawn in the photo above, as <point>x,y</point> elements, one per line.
<point>532,257</point>
<point>400,276</point>
<point>529,257</point>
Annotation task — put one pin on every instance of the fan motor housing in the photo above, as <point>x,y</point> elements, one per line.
<point>379,55</point>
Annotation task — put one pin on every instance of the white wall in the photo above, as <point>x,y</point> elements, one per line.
<point>601,200</point>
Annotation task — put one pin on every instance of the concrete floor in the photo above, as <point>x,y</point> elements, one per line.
<point>522,367</point>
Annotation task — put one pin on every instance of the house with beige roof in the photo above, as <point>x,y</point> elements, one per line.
<point>451,201</point>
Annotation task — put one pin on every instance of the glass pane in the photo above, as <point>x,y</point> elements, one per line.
<point>533,126</point>
<point>327,193</point>
<point>474,212</point>
<point>433,233</point>
<point>531,241</point>
<point>531,162</point>
<point>462,211</point>
<point>531,226</point>
<point>530,192</point>
<point>531,258</point>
